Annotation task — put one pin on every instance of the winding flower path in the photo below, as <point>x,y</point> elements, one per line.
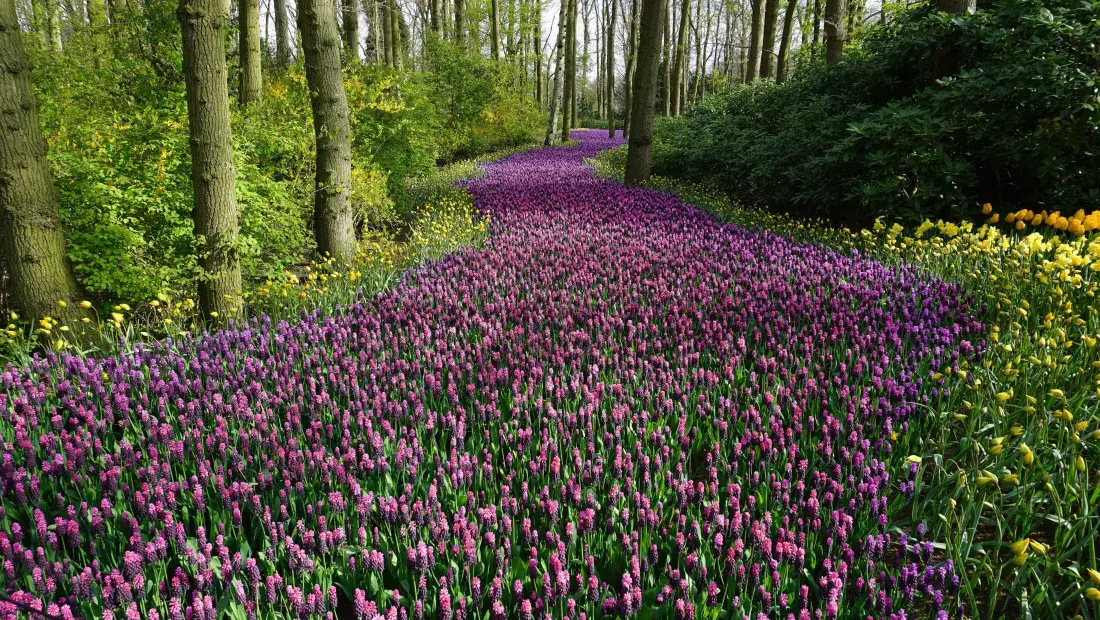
<point>619,406</point>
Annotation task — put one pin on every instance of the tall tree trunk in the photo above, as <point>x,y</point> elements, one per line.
<point>212,176</point>
<point>31,242</point>
<point>785,42</point>
<point>555,94</point>
<point>584,64</point>
<point>640,150</point>
<point>610,77</point>
<point>666,55</point>
<point>393,36</point>
<point>377,42</point>
<point>817,27</point>
<point>834,30</point>
<point>249,51</point>
<point>570,76</point>
<point>767,48</point>
<point>631,65</point>
<point>53,24</point>
<point>460,22</point>
<point>333,220</point>
<point>756,35</point>
<point>436,18</point>
<point>282,34</point>
<point>494,28</point>
<point>538,52</point>
<point>351,31</point>
<point>678,65</point>
<point>698,29</point>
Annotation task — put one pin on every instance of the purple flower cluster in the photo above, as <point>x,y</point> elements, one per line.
<point>619,404</point>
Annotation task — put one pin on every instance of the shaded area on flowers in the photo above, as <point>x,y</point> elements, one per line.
<point>619,403</point>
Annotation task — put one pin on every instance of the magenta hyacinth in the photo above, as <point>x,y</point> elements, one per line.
<point>619,403</point>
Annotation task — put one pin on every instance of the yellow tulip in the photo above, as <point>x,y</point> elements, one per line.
<point>1093,575</point>
<point>1020,546</point>
<point>1092,594</point>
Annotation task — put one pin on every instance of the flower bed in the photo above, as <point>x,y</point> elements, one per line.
<point>619,406</point>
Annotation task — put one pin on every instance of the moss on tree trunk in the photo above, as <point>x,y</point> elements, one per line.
<point>639,151</point>
<point>333,221</point>
<point>249,49</point>
<point>212,174</point>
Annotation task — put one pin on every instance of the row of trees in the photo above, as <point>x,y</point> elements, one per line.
<point>323,36</point>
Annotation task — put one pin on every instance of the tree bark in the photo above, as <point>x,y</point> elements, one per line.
<point>570,75</point>
<point>640,150</point>
<point>31,242</point>
<point>435,17</point>
<point>767,48</point>
<point>666,55</point>
<point>538,52</point>
<point>817,27</point>
<point>249,51</point>
<point>555,93</point>
<point>460,22</point>
<point>678,65</point>
<point>834,30</point>
<point>756,35</point>
<point>494,28</point>
<point>282,35</point>
<point>610,78</point>
<point>333,221</point>
<point>351,32</point>
<point>212,175</point>
<point>631,64</point>
<point>785,43</point>
<point>958,6</point>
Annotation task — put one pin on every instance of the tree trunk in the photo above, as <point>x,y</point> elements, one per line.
<point>785,43</point>
<point>570,75</point>
<point>393,34</point>
<point>333,221</point>
<point>53,24</point>
<point>610,78</point>
<point>555,94</point>
<point>756,34</point>
<point>538,52</point>
<point>678,65</point>
<point>834,30</point>
<point>632,48</point>
<point>584,64</point>
<point>460,22</point>
<point>666,55</point>
<point>817,27</point>
<point>32,246</point>
<point>767,48</point>
<point>212,176</point>
<point>282,35</point>
<point>351,31</point>
<point>958,6</point>
<point>436,18</point>
<point>494,28</point>
<point>700,47</point>
<point>640,150</point>
<point>248,49</point>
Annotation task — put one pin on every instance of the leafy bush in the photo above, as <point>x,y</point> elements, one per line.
<point>880,134</point>
<point>115,117</point>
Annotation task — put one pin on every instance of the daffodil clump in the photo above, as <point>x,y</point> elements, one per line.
<point>1010,480</point>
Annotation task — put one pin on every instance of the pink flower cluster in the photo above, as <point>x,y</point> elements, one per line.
<point>620,405</point>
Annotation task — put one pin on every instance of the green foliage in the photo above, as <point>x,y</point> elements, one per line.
<point>480,109</point>
<point>1015,121</point>
<point>113,108</point>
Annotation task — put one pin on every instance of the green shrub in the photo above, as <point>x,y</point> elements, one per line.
<point>879,134</point>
